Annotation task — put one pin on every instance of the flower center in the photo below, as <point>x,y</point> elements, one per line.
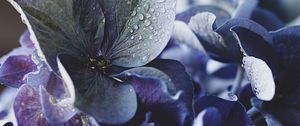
<point>99,63</point>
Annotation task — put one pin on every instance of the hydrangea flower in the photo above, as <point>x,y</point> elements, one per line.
<point>99,48</point>
<point>96,62</point>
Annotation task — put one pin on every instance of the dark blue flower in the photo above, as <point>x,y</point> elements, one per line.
<point>280,50</point>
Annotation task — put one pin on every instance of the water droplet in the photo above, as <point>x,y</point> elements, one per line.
<point>151,10</point>
<point>146,7</point>
<point>148,15</point>
<point>140,37</point>
<point>133,13</point>
<point>147,22</point>
<point>132,37</point>
<point>144,58</point>
<point>141,17</point>
<point>131,30</point>
<point>157,14</point>
<point>135,27</point>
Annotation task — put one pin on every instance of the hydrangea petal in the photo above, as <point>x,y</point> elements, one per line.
<point>13,70</point>
<point>56,111</point>
<point>51,34</point>
<point>106,99</point>
<point>255,42</point>
<point>182,34</point>
<point>27,107</point>
<point>145,35</point>
<point>221,15</point>
<point>215,45</point>
<point>211,117</point>
<point>286,44</point>
<point>260,77</point>
<point>193,60</point>
<point>151,72</point>
<point>267,19</point>
<point>154,97</point>
<point>232,112</point>
<point>25,40</point>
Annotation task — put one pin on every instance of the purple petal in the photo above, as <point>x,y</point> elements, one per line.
<point>56,111</point>
<point>51,81</point>
<point>16,52</point>
<point>14,69</point>
<point>153,94</point>
<point>25,40</point>
<point>27,107</point>
<point>193,60</point>
<point>232,112</point>
<point>39,77</point>
<point>178,75</point>
<point>153,97</point>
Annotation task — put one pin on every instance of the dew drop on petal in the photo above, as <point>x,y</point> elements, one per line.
<point>141,17</point>
<point>140,37</point>
<point>147,22</point>
<point>133,13</point>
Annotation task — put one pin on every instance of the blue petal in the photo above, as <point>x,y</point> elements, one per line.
<point>221,15</point>
<point>56,111</point>
<point>193,60</point>
<point>286,44</point>
<point>227,72</point>
<point>13,70</point>
<point>154,96</point>
<point>267,19</point>
<point>255,42</point>
<point>211,117</point>
<point>27,108</point>
<point>25,40</point>
<point>245,96</point>
<point>232,112</point>
<point>73,32</point>
<point>145,34</point>
<point>106,99</point>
